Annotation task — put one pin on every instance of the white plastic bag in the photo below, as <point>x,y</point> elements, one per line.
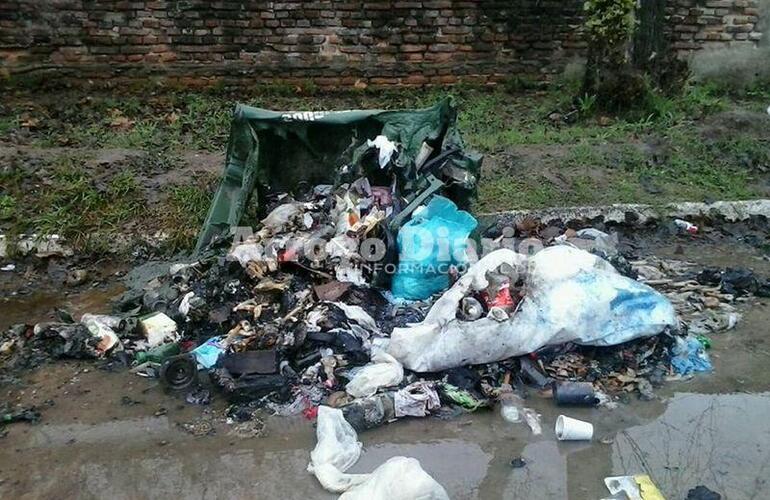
<point>571,296</point>
<point>383,371</point>
<point>400,478</point>
<point>337,445</point>
<point>417,399</point>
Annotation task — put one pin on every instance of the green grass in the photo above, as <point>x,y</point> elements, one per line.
<point>594,159</point>
<point>184,213</point>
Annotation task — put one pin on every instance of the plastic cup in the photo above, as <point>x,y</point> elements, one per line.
<point>572,429</point>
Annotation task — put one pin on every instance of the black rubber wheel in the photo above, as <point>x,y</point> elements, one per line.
<point>179,372</point>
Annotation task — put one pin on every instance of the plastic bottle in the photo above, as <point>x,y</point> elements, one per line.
<point>158,354</point>
<point>509,408</point>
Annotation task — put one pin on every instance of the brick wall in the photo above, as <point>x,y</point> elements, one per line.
<point>332,42</point>
<point>713,24</point>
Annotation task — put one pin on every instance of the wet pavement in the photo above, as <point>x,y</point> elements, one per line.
<point>711,430</point>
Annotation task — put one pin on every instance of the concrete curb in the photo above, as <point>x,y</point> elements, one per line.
<point>634,214</point>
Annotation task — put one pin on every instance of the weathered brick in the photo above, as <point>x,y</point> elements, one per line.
<point>399,42</point>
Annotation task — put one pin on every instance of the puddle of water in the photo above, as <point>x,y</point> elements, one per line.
<point>39,306</point>
<point>711,430</point>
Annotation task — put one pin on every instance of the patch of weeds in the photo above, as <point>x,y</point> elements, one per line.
<point>586,104</point>
<point>520,83</point>
<point>8,124</point>
<point>585,155</point>
<point>184,212</point>
<point>7,206</point>
<point>143,134</point>
<point>206,121</point>
<point>701,170</point>
<point>73,206</point>
<point>511,192</point>
<point>700,100</point>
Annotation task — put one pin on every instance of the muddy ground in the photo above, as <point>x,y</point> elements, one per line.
<point>110,434</point>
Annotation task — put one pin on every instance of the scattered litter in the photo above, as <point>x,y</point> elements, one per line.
<point>689,356</point>
<point>702,493</point>
<point>338,449</point>
<point>686,227</point>
<point>30,415</point>
<point>639,487</point>
<point>416,400</point>
<point>572,296</point>
<point>249,429</point>
<point>575,393</point>
<point>359,301</point>
<point>383,371</point>
<point>199,427</point>
<point>178,372</point>
<point>428,245</point>
<point>386,149</point>
<point>8,267</point>
<point>159,329</point>
<point>198,397</point>
<point>572,429</point>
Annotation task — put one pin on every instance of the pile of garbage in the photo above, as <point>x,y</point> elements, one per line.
<point>362,300</point>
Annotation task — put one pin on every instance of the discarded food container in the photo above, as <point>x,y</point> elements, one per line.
<point>575,393</point>
<point>572,429</point>
<point>639,487</point>
<point>159,328</point>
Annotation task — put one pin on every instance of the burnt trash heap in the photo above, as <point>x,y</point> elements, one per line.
<point>359,289</point>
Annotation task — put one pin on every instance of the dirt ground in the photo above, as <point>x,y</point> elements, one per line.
<point>107,434</point>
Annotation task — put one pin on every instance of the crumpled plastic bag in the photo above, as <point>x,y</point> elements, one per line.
<point>102,326</point>
<point>434,239</point>
<point>571,296</point>
<point>399,478</point>
<point>338,443</point>
<point>385,147</point>
<point>416,400</point>
<point>383,371</point>
<point>690,356</point>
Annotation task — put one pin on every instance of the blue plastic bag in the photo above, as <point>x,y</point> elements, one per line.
<point>690,356</point>
<point>428,245</point>
<point>208,353</point>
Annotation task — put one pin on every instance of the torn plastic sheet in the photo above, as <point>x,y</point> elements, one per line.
<point>416,400</point>
<point>338,449</point>
<point>689,356</point>
<point>383,371</point>
<point>102,326</point>
<point>572,296</point>
<point>207,354</point>
<point>386,148</point>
